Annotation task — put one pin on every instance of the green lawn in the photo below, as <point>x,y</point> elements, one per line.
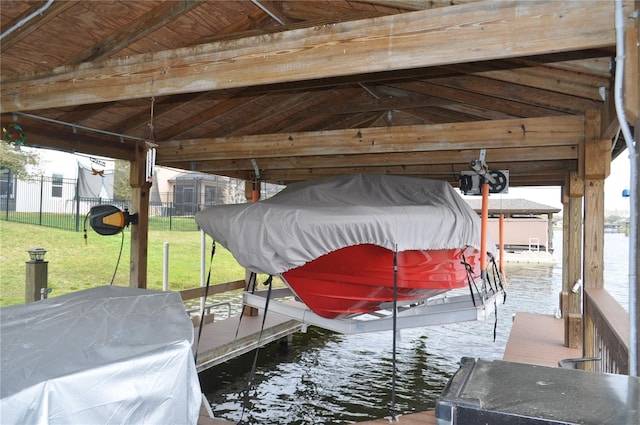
<point>74,265</point>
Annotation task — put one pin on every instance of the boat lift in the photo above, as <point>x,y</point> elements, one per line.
<point>451,307</point>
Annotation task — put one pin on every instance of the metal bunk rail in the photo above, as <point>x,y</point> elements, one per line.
<point>433,311</point>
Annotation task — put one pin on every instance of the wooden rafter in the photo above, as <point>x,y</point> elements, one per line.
<point>533,132</point>
<point>342,49</point>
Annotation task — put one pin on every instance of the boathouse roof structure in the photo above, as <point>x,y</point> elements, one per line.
<point>286,91</point>
<point>315,88</point>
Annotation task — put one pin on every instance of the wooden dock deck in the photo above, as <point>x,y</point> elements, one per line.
<point>534,339</point>
<point>218,342</point>
<point>538,340</point>
<point>422,418</point>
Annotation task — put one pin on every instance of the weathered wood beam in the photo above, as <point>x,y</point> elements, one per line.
<point>493,101</point>
<point>531,132</point>
<point>273,11</point>
<point>558,80</point>
<point>549,173</point>
<point>632,73</point>
<point>414,101</point>
<point>46,135</point>
<point>415,4</point>
<point>55,9</point>
<point>514,155</point>
<point>404,41</point>
<point>278,106</point>
<point>529,96</point>
<point>144,25</point>
<point>140,205</point>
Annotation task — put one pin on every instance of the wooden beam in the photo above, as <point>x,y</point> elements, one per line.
<point>575,189</point>
<point>140,231</point>
<point>51,136</point>
<point>54,9</point>
<point>631,73</point>
<point>531,132</point>
<point>593,240</point>
<point>554,170</point>
<point>492,96</point>
<point>403,41</point>
<point>135,30</point>
<point>513,155</point>
<point>219,288</point>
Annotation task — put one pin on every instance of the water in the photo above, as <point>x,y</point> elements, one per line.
<point>328,378</point>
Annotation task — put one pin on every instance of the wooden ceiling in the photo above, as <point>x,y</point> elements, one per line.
<point>314,88</point>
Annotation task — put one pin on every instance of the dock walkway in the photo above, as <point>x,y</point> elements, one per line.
<point>219,344</point>
<point>538,339</point>
<point>534,339</point>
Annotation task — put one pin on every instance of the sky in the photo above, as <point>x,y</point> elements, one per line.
<point>617,181</point>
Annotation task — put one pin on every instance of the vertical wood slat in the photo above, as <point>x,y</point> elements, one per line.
<point>606,331</point>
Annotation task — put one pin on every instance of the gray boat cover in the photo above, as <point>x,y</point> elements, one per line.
<point>108,355</point>
<point>310,219</point>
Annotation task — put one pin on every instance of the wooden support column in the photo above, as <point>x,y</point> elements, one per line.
<point>572,257</point>
<point>597,162</point>
<point>550,232</point>
<point>250,190</point>
<point>140,205</point>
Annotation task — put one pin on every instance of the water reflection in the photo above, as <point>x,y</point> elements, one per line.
<point>327,378</point>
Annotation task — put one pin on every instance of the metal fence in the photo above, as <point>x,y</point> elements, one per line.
<point>54,202</point>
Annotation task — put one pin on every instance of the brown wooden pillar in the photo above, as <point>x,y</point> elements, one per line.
<point>550,232</point>
<point>140,205</point>
<point>572,257</point>
<point>252,194</point>
<point>597,162</point>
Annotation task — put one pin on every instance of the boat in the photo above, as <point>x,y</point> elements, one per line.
<point>349,245</point>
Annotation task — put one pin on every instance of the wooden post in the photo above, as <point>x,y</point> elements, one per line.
<point>573,243</point>
<point>550,232</point>
<point>252,195</point>
<point>140,205</point>
<point>597,161</point>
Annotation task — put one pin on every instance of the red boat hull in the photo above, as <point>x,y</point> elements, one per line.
<point>358,279</point>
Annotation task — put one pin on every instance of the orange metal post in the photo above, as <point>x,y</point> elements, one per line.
<point>501,225</point>
<point>483,230</point>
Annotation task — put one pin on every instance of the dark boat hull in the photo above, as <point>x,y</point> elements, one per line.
<point>358,279</point>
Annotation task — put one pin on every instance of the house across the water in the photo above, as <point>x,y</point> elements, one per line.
<point>528,225</point>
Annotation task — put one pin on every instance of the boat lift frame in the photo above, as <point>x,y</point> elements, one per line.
<point>437,310</point>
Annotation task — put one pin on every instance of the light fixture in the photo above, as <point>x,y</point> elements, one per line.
<point>37,254</point>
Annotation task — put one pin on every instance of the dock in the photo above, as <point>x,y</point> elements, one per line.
<point>219,343</point>
<point>535,339</point>
<point>538,339</point>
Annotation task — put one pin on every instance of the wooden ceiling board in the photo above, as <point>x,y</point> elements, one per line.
<point>404,86</point>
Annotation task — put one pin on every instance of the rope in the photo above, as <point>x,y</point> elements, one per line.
<point>251,284</point>
<point>206,294</point>
<point>245,397</point>
<point>470,282</point>
<point>392,405</point>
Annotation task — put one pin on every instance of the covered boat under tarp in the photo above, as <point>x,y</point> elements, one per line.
<point>108,355</point>
<point>335,240</point>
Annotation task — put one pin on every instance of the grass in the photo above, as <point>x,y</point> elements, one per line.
<point>74,265</point>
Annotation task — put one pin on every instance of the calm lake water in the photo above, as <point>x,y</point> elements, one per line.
<point>329,378</point>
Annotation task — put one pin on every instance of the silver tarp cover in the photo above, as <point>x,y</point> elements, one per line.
<point>310,219</point>
<point>109,355</point>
